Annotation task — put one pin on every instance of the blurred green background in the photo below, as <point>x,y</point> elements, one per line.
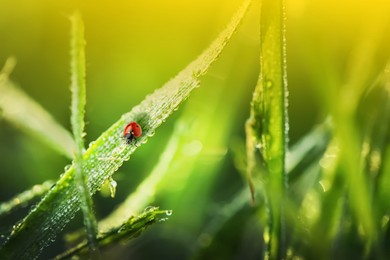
<point>134,47</point>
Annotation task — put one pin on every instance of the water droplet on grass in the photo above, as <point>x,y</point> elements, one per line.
<point>67,167</point>
<point>268,83</point>
<point>112,184</point>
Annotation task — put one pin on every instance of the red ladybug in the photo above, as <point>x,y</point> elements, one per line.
<point>132,131</point>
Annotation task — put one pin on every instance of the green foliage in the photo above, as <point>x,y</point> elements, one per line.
<point>318,191</point>
<point>107,153</point>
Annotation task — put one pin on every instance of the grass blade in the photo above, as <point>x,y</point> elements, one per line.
<point>24,198</point>
<point>51,215</point>
<point>23,112</point>
<point>129,229</point>
<point>78,89</point>
<point>267,126</point>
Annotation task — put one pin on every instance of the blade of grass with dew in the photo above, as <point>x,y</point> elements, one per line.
<point>51,215</point>
<point>145,192</point>
<point>24,198</point>
<point>78,90</point>
<point>23,112</point>
<point>267,126</point>
<point>129,229</point>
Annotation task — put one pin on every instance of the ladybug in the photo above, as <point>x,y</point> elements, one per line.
<point>132,131</point>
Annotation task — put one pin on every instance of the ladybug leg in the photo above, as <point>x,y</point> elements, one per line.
<point>129,137</point>
<point>136,142</point>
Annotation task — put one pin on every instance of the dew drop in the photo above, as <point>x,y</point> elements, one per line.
<point>112,185</point>
<point>268,84</point>
<point>168,212</point>
<point>149,209</point>
<point>67,167</point>
<point>16,201</point>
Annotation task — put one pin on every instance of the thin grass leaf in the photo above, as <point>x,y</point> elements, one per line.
<point>129,229</point>
<point>108,152</point>
<point>226,229</point>
<point>24,113</point>
<point>267,127</point>
<point>78,89</point>
<point>308,150</point>
<point>24,198</point>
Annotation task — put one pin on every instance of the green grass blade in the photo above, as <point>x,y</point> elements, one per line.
<point>108,152</point>
<point>23,112</point>
<point>267,126</point>
<point>308,150</point>
<point>129,229</point>
<point>24,198</point>
<point>78,89</point>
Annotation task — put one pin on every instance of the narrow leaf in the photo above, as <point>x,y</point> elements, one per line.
<point>78,89</point>
<point>23,112</point>
<point>267,126</point>
<point>24,198</point>
<point>108,152</point>
<point>130,229</point>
